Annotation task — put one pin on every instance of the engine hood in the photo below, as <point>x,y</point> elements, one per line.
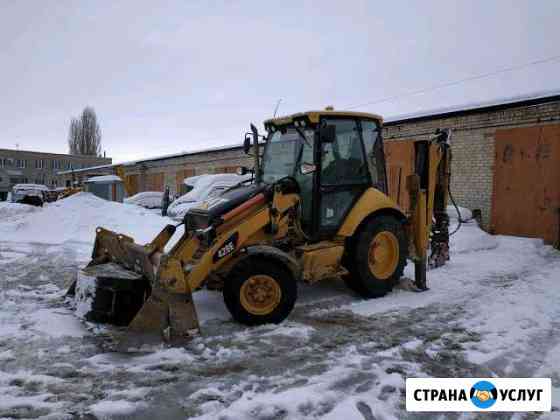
<point>211,211</point>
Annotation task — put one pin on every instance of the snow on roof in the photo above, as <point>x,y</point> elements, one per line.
<point>31,187</point>
<point>104,179</point>
<point>186,153</point>
<point>91,168</point>
<point>511,100</point>
<point>170,156</point>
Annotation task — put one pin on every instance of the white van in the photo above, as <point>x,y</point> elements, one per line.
<point>200,188</point>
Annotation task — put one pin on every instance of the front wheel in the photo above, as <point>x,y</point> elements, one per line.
<point>260,291</point>
<point>379,257</point>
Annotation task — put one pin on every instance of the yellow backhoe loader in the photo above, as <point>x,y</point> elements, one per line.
<point>317,208</point>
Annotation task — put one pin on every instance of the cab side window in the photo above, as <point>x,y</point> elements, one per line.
<point>305,181</point>
<point>344,174</point>
<point>343,160</point>
<point>374,154</point>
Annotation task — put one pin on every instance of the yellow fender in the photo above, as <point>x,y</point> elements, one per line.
<point>371,201</point>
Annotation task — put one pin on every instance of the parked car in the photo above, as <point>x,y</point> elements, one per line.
<point>201,188</point>
<point>147,199</point>
<point>188,184</point>
<point>32,194</point>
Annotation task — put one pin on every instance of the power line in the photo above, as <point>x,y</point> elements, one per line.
<point>457,82</point>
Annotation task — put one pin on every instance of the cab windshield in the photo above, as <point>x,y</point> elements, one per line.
<point>281,152</point>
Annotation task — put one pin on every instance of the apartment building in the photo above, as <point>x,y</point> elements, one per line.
<point>23,166</point>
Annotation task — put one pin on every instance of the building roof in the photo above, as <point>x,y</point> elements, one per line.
<point>534,98</point>
<point>91,168</point>
<point>161,157</point>
<point>65,155</point>
<point>104,179</point>
<point>183,154</point>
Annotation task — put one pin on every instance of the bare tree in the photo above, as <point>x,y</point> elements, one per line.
<point>74,137</point>
<point>84,135</point>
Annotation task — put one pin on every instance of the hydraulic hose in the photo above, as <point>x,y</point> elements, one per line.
<point>459,217</point>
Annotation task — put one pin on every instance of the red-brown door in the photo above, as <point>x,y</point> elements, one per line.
<point>180,176</point>
<point>132,183</point>
<point>526,197</point>
<point>399,160</point>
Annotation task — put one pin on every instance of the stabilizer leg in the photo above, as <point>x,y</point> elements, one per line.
<point>420,275</point>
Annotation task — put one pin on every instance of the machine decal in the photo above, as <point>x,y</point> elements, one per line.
<point>227,248</point>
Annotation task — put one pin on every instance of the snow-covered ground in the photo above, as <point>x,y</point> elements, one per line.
<point>492,311</point>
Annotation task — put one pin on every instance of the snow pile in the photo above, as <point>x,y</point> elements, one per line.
<point>147,199</point>
<point>10,212</point>
<point>470,238</point>
<point>466,214</point>
<point>76,218</point>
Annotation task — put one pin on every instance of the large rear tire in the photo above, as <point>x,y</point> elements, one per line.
<point>379,257</point>
<point>260,291</point>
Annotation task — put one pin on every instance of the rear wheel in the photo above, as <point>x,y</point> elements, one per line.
<point>260,291</point>
<point>379,257</point>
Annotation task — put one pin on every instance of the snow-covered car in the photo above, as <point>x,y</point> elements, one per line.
<point>147,199</point>
<point>32,194</point>
<point>203,188</point>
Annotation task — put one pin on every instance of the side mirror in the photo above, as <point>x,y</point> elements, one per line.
<point>307,168</point>
<point>327,133</point>
<point>247,144</point>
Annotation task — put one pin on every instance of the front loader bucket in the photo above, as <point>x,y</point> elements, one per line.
<point>126,284</point>
<point>164,316</point>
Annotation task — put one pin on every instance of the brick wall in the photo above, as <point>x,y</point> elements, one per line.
<point>175,169</point>
<point>473,146</point>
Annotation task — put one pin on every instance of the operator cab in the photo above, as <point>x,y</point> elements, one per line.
<point>334,157</point>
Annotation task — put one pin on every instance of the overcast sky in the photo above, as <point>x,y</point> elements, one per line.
<point>168,76</point>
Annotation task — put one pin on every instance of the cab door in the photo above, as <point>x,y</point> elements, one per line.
<point>343,177</point>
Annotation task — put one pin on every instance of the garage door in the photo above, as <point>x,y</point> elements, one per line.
<point>154,182</point>
<point>526,198</point>
<point>132,184</point>
<point>180,176</point>
<point>226,169</point>
<point>399,157</point>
